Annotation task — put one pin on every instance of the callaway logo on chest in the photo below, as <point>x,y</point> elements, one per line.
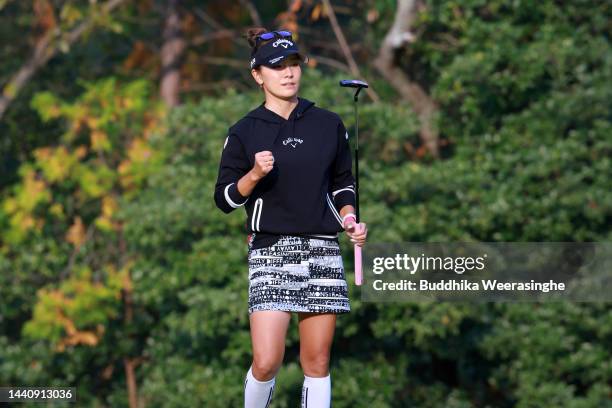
<point>283,43</point>
<point>293,141</point>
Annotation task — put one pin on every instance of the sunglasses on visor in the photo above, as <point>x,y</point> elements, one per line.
<point>272,34</point>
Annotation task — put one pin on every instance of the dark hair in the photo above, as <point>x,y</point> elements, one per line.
<point>251,36</point>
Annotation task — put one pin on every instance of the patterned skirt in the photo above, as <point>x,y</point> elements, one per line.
<point>298,274</point>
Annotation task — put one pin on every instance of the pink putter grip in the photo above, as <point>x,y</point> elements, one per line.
<point>357,249</point>
<point>358,271</point>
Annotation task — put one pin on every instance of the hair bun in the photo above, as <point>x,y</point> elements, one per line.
<point>252,33</point>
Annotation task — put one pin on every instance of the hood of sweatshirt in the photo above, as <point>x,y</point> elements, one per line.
<point>277,121</point>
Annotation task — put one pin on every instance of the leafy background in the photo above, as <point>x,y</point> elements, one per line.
<point>113,256</point>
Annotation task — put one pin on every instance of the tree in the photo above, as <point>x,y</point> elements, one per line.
<point>171,54</point>
<point>400,34</point>
<point>53,40</point>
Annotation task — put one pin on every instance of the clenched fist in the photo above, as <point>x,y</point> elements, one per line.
<point>264,162</point>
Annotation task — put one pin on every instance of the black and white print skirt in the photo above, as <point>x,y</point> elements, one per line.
<point>298,274</point>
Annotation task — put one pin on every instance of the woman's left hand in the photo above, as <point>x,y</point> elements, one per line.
<point>356,232</point>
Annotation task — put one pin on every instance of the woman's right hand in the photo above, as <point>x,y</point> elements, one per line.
<point>264,162</point>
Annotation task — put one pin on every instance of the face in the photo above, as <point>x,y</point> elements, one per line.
<point>282,81</point>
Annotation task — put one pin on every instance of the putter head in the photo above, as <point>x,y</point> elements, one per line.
<point>353,83</point>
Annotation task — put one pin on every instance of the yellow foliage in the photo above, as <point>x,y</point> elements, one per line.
<point>79,119</point>
<point>73,335</point>
<point>76,233</point>
<point>34,192</point>
<point>104,115</point>
<point>126,179</point>
<point>109,206</point>
<point>105,221</point>
<point>56,163</point>
<point>76,313</point>
<point>10,205</point>
<point>92,122</point>
<point>128,103</point>
<point>100,141</point>
<point>20,207</point>
<point>26,221</point>
<point>139,151</point>
<point>95,181</point>
<point>57,210</point>
<point>70,14</point>
<point>80,152</point>
<point>42,154</point>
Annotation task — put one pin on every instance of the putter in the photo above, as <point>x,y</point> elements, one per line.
<point>355,83</point>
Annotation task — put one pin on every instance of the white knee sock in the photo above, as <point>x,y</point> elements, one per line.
<point>316,392</point>
<point>257,394</point>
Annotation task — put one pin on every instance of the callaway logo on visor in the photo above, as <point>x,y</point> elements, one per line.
<point>283,43</point>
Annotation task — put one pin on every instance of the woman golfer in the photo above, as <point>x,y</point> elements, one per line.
<point>288,163</point>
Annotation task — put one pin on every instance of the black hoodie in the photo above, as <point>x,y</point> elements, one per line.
<point>311,179</point>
